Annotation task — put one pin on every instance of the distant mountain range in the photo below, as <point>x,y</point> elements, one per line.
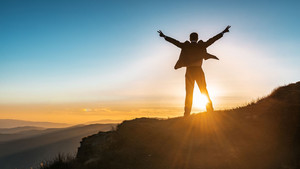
<point>12,123</point>
<point>104,121</point>
<point>25,147</point>
<point>10,134</point>
<point>22,129</point>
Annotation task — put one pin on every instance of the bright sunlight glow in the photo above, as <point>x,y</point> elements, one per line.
<point>199,100</point>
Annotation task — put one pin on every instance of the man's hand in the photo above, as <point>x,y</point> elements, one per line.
<point>161,34</point>
<point>226,29</point>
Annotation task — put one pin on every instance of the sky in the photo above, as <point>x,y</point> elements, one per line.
<point>78,61</point>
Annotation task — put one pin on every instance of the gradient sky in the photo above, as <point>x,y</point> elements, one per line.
<point>107,54</point>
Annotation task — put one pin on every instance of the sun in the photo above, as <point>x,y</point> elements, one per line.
<point>199,100</point>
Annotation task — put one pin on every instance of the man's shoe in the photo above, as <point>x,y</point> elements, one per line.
<point>209,107</point>
<point>186,114</point>
<point>187,111</point>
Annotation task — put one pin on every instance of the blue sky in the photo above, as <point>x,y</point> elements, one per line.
<point>106,51</point>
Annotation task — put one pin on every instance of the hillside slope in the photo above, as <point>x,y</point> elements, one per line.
<point>262,135</point>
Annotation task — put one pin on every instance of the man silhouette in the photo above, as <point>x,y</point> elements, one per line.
<point>192,54</point>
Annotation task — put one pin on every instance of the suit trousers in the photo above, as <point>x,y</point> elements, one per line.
<point>193,73</point>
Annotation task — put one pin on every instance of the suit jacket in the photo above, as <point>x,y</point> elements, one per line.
<point>193,52</point>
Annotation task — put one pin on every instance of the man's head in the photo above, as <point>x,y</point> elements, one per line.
<point>194,37</point>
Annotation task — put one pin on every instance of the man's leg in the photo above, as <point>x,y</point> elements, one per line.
<point>209,105</point>
<point>189,88</point>
<point>201,82</point>
<point>205,92</point>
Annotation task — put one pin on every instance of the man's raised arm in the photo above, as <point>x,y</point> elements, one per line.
<point>169,39</point>
<point>217,37</point>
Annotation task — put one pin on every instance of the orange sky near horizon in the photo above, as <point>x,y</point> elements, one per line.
<point>89,112</point>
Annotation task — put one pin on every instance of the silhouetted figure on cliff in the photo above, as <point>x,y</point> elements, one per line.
<point>192,54</point>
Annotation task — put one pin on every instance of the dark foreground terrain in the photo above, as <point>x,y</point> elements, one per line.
<point>261,135</point>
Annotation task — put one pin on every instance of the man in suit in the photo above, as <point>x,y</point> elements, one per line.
<point>192,54</point>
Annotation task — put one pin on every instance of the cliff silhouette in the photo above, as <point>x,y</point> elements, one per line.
<point>261,135</point>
